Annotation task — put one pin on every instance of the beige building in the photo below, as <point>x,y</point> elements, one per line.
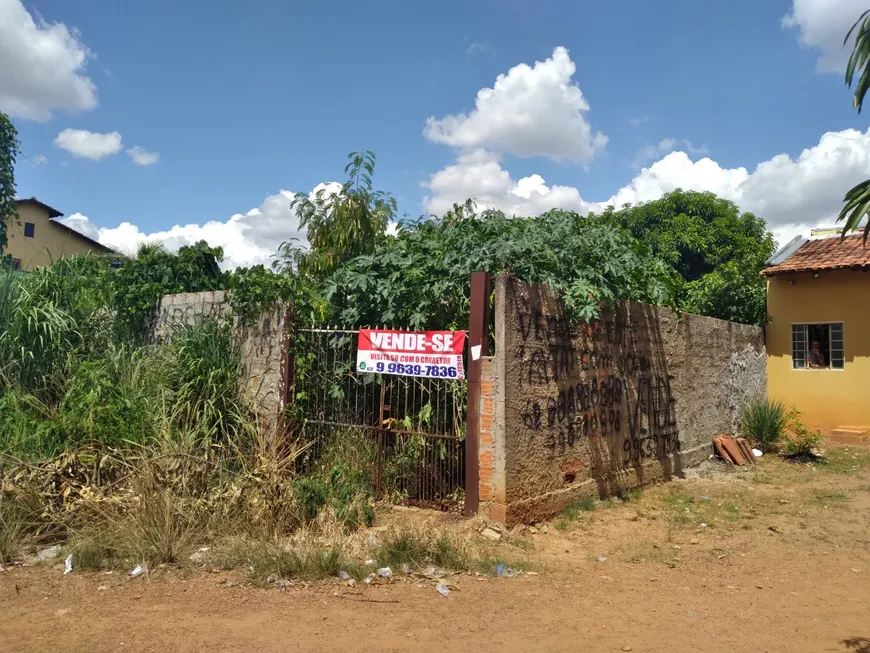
<point>36,239</point>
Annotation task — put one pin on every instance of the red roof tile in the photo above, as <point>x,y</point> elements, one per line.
<point>825,254</point>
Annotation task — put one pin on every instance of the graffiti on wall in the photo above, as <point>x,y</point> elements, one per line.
<point>595,381</point>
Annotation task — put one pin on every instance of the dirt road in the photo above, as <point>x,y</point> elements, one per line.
<point>775,559</point>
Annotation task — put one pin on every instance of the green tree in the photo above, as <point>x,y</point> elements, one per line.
<point>345,224</point>
<point>421,278</point>
<point>857,200</point>
<point>717,250</point>
<point>9,148</point>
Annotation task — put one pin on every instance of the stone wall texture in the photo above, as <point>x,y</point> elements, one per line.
<point>595,408</point>
<point>264,344</point>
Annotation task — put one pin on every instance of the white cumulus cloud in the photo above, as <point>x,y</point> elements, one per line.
<point>479,175</point>
<point>822,25</point>
<point>530,111</point>
<point>89,145</point>
<point>246,238</point>
<point>143,157</point>
<point>42,66</point>
<point>793,194</point>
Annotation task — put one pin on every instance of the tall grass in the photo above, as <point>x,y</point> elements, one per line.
<point>143,451</point>
<point>763,421</point>
<point>206,380</point>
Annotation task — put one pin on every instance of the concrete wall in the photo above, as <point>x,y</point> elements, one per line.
<point>829,399</point>
<point>593,409</point>
<point>264,344</point>
<point>50,241</point>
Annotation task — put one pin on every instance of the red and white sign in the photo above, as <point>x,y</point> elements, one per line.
<point>411,353</point>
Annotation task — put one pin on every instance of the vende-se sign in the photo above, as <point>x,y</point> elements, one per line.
<point>411,353</point>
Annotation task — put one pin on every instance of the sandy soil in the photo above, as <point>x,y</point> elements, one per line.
<point>782,564</point>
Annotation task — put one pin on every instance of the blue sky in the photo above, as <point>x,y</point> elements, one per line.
<point>233,102</point>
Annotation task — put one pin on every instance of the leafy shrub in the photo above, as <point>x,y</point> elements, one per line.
<point>26,427</point>
<point>763,421</point>
<point>255,290</point>
<point>114,399</point>
<point>136,288</point>
<point>421,278</point>
<point>801,442</point>
<point>311,496</point>
<point>345,490</point>
<point>350,492</point>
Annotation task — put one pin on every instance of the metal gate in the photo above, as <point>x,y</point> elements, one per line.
<point>408,432</point>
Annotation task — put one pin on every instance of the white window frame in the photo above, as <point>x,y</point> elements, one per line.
<point>806,367</point>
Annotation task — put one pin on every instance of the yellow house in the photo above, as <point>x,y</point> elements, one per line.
<point>818,339</point>
<point>36,239</point>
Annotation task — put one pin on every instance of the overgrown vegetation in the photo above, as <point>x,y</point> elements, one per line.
<point>135,450</point>
<point>772,427</point>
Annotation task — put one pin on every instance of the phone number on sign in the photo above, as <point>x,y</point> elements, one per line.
<point>417,370</point>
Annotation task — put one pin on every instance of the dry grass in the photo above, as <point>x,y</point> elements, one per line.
<point>20,522</point>
<point>13,531</point>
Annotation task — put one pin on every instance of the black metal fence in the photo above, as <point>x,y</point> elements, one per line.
<point>408,432</point>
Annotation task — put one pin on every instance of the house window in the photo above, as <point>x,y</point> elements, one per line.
<point>29,229</point>
<point>16,264</point>
<point>817,346</point>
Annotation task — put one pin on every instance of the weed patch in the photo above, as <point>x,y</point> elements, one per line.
<point>419,546</point>
<point>829,498</point>
<point>845,460</point>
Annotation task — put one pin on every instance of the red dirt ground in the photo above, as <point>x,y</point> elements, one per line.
<point>782,565</point>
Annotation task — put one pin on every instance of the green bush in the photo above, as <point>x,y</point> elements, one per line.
<point>345,490</point>
<point>801,443</point>
<point>115,399</point>
<point>26,428</point>
<point>350,493</point>
<point>311,496</point>
<point>763,421</point>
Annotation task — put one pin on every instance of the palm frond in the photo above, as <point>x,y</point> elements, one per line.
<point>856,209</point>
